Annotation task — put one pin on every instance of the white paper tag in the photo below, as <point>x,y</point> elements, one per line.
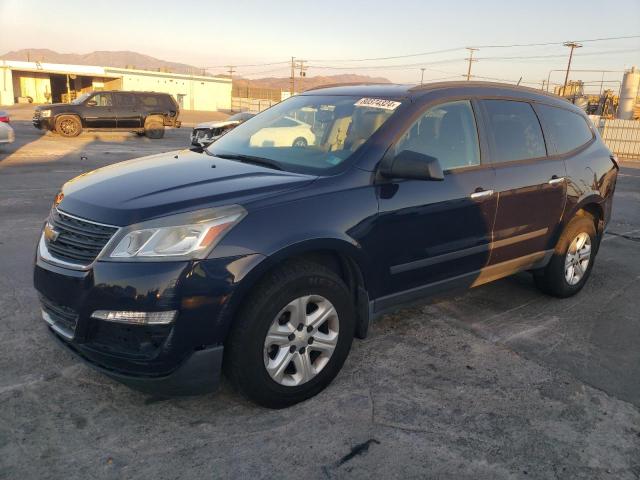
<point>377,103</point>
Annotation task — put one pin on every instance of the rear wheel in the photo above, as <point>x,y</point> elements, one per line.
<point>68,126</point>
<point>154,129</point>
<point>572,259</point>
<point>293,336</point>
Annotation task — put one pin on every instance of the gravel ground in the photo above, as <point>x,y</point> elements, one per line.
<point>498,382</point>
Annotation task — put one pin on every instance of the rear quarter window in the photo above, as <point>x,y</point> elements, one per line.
<point>149,100</point>
<point>565,130</point>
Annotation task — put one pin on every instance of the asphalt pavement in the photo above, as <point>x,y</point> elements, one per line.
<point>497,382</point>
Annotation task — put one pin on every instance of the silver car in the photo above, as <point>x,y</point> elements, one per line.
<point>204,134</point>
<point>7,134</point>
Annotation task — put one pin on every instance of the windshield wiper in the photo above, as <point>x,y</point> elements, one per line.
<point>265,162</point>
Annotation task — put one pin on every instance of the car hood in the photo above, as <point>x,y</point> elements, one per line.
<point>217,124</point>
<point>52,105</point>
<point>160,185</point>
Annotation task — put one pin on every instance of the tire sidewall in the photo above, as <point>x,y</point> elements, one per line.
<point>154,130</point>
<point>252,364</point>
<point>61,118</point>
<point>557,265</point>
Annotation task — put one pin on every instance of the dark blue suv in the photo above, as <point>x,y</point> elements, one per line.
<point>265,255</point>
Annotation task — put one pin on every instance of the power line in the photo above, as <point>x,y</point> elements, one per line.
<point>434,52</point>
<point>559,43</point>
<point>530,57</point>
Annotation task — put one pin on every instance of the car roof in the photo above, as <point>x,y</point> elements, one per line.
<point>134,92</point>
<point>475,88</point>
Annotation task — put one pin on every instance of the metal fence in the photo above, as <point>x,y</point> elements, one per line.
<point>621,136</point>
<point>253,105</point>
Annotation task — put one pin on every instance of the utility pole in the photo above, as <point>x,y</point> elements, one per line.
<point>231,70</point>
<point>572,46</point>
<point>471,60</point>
<point>422,76</point>
<point>303,72</point>
<point>292,82</point>
<point>543,82</point>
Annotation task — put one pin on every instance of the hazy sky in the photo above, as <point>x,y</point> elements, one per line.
<point>328,32</point>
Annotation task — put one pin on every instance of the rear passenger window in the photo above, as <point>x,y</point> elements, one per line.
<point>447,132</point>
<point>565,130</point>
<point>515,129</point>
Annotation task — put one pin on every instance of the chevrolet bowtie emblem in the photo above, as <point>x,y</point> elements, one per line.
<point>50,233</point>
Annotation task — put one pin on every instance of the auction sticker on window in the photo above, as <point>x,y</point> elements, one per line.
<point>377,103</point>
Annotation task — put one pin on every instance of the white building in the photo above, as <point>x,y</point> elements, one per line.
<point>53,83</point>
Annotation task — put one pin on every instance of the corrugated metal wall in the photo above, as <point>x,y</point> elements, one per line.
<point>621,136</point>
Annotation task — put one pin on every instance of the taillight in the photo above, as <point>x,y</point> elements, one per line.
<point>5,119</point>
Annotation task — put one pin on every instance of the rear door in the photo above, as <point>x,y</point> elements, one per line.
<point>531,186</point>
<point>128,112</point>
<point>100,111</point>
<point>429,232</point>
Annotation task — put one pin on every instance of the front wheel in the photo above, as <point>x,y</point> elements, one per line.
<point>300,142</point>
<point>68,126</point>
<point>293,336</point>
<point>572,260</point>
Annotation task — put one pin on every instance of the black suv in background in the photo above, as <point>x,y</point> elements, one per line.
<point>145,113</point>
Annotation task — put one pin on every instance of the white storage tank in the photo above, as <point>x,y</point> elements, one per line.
<point>629,93</point>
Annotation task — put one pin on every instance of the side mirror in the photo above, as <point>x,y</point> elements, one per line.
<point>413,165</point>
<point>92,103</point>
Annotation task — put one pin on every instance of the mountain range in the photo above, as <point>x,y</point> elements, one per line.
<point>128,59</point>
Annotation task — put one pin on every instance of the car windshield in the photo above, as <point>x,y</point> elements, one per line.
<point>307,133</point>
<point>239,116</point>
<point>81,99</point>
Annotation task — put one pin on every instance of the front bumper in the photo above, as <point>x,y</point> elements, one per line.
<point>42,123</point>
<point>199,373</point>
<point>184,357</point>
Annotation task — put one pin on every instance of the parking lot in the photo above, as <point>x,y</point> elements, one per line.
<point>498,382</point>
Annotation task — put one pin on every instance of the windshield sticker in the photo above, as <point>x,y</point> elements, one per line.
<point>377,103</point>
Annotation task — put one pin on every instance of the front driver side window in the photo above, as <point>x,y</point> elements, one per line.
<point>447,132</point>
<point>103,100</point>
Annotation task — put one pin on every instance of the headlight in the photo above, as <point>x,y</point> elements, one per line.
<point>183,236</point>
<point>45,113</point>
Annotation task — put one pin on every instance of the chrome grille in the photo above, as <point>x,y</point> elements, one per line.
<point>75,240</point>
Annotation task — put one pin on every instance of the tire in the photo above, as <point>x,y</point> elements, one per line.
<point>565,276</point>
<point>154,129</point>
<point>248,351</point>
<point>299,142</point>
<point>140,134</point>
<point>68,126</point>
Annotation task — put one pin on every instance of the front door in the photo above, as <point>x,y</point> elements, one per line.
<point>531,187</point>
<point>128,113</point>
<point>430,232</point>
<point>99,111</point>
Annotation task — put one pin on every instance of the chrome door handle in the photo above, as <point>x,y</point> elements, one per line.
<point>481,194</point>
<point>556,181</point>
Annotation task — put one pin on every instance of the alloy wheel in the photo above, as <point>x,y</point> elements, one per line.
<point>577,259</point>
<point>301,340</point>
<point>68,127</point>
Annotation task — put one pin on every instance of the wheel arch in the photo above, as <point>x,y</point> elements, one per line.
<point>68,114</point>
<point>345,259</point>
<point>591,204</point>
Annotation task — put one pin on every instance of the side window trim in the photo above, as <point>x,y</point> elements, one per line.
<point>491,139</point>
